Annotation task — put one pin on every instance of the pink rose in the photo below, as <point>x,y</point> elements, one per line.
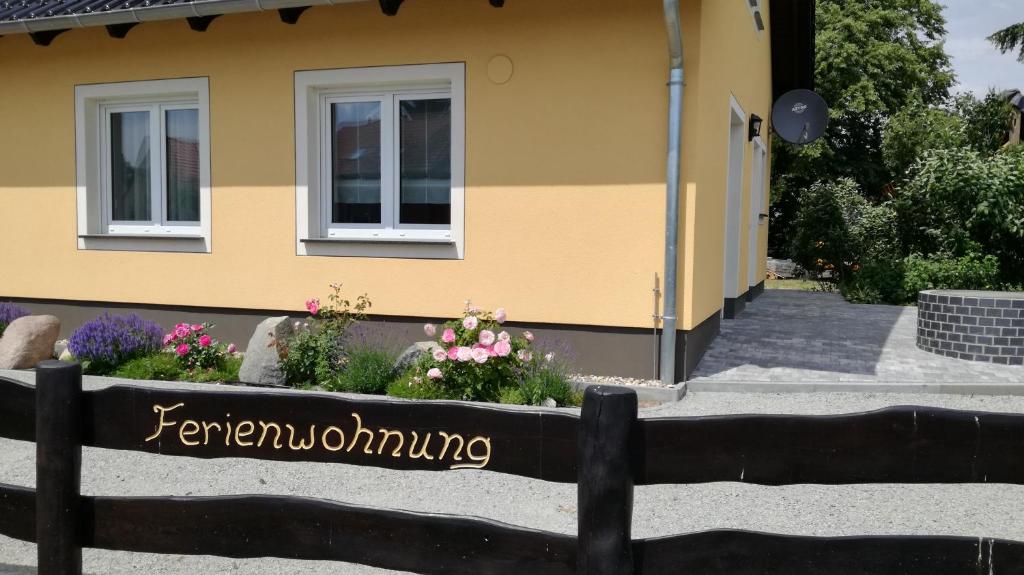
<point>504,336</point>
<point>470,322</point>
<point>528,335</point>
<point>440,355</point>
<point>448,336</point>
<point>197,327</point>
<point>524,355</point>
<point>480,355</point>
<point>430,330</point>
<point>487,337</point>
<point>181,331</point>
<point>182,350</point>
<point>205,340</point>
<point>453,353</point>
<point>500,315</point>
<point>434,373</point>
<point>465,354</point>
<point>168,339</point>
<point>503,348</point>
<point>490,351</point>
<point>313,306</point>
<point>232,348</point>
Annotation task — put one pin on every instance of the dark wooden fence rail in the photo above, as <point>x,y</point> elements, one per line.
<point>605,451</point>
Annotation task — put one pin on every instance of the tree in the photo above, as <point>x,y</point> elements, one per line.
<point>1009,39</point>
<point>874,58</point>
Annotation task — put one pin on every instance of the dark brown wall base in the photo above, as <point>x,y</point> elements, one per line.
<point>733,307</point>
<point>597,350</point>
<point>691,345</point>
<point>755,292</point>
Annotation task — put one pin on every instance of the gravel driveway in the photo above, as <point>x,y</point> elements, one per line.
<point>971,510</point>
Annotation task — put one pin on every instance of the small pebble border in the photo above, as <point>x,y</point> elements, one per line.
<point>974,326</point>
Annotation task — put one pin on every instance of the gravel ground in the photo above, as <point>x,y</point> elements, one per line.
<point>972,510</point>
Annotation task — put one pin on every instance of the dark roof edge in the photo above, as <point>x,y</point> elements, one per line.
<point>793,45</point>
<point>196,8</point>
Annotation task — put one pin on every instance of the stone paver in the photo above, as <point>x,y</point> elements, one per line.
<point>795,336</point>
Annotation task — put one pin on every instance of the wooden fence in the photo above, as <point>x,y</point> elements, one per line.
<point>605,451</point>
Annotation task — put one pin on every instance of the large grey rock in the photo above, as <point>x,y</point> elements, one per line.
<point>412,354</point>
<point>262,361</point>
<point>28,340</point>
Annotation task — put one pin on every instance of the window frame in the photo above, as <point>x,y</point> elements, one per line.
<point>315,92</point>
<point>94,104</point>
<point>157,110</point>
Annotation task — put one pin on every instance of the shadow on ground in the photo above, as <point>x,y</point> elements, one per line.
<point>804,331</point>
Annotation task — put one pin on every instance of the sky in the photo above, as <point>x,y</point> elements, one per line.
<point>977,63</point>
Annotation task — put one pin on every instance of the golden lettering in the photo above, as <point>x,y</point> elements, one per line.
<point>263,435</point>
<point>384,439</point>
<point>341,439</point>
<point>457,456</point>
<point>194,425</point>
<point>161,425</point>
<point>359,431</point>
<point>455,446</point>
<point>239,434</point>
<point>206,430</point>
<point>423,448</point>
<point>482,460</point>
<point>302,442</point>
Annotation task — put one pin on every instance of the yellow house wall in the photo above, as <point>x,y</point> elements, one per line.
<point>740,59</point>
<point>564,178</point>
<point>564,170</point>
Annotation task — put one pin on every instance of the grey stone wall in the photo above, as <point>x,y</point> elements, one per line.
<point>976,326</point>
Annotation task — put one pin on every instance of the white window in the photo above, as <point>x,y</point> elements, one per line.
<point>380,158</point>
<point>143,166</point>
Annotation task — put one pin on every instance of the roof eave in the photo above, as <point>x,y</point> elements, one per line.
<point>157,13</point>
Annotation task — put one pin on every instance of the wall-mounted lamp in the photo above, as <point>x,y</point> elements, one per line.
<point>755,127</point>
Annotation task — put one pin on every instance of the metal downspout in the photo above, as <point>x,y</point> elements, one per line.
<point>675,126</point>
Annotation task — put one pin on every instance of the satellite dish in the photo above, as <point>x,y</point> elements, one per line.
<point>800,117</point>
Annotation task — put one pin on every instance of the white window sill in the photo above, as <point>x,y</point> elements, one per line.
<point>381,240</point>
<point>381,247</point>
<point>142,236</point>
<point>187,243</point>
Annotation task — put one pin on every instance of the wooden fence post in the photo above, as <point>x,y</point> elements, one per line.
<point>605,485</point>
<point>58,467</point>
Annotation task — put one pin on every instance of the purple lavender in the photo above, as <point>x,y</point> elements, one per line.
<point>108,341</point>
<point>8,313</point>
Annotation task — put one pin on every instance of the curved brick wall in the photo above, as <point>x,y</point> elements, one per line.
<point>972,325</point>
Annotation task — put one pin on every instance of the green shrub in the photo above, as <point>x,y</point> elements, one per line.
<point>227,371</point>
<point>548,381</point>
<point>409,387</point>
<point>315,354</point>
<point>836,229</point>
<point>158,366</point>
<point>167,367</point>
<point>898,282</point>
<point>876,282</point>
<point>942,272</point>
<point>367,370</point>
<point>961,202</point>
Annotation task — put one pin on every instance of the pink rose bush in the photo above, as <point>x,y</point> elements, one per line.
<point>475,359</point>
<point>195,348</point>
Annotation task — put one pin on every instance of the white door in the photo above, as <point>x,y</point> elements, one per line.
<point>757,190</point>
<point>734,201</point>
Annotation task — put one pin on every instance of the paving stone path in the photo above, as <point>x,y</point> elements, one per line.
<point>796,336</point>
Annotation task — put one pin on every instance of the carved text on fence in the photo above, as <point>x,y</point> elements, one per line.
<point>347,435</point>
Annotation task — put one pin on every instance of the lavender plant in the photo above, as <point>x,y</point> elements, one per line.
<point>108,341</point>
<point>8,313</point>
